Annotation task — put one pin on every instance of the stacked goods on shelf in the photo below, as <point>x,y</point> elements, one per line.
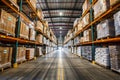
<point>44,40</point>
<point>115,57</point>
<point>39,26</point>
<point>38,51</point>
<point>7,23</point>
<point>21,54</point>
<point>24,30</point>
<point>45,24</point>
<point>79,51</point>
<point>113,2</point>
<point>75,23</point>
<point>30,53</point>
<point>34,3</point>
<point>117,23</point>
<point>40,13</point>
<point>75,51</point>
<point>100,7</point>
<point>32,32</point>
<point>39,38</point>
<point>81,39</point>
<point>85,6</point>
<point>76,40</point>
<point>86,20</point>
<point>106,29</point>
<point>87,52</point>
<point>102,56</point>
<point>5,56</point>
<point>87,35</point>
<point>15,1</point>
<point>80,25</point>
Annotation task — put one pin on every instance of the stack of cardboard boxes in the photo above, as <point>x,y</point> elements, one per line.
<point>86,5</point>
<point>39,51</point>
<point>39,26</point>
<point>34,3</point>
<point>39,38</point>
<point>5,56</point>
<point>21,54</point>
<point>24,30</point>
<point>7,23</point>
<point>30,53</point>
<point>115,57</point>
<point>87,35</point>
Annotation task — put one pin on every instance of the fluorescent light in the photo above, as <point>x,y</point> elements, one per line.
<point>60,28</point>
<point>61,13</point>
<point>60,31</point>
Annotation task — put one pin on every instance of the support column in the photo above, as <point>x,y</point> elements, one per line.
<point>17,35</point>
<point>92,32</point>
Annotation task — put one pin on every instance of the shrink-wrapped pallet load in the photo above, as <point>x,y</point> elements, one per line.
<point>85,6</point>
<point>100,7</point>
<point>87,35</point>
<point>7,23</point>
<point>102,56</point>
<point>106,29</point>
<point>117,23</point>
<point>115,57</point>
<point>87,52</point>
<point>34,3</point>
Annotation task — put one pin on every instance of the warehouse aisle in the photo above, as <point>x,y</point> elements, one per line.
<point>58,65</point>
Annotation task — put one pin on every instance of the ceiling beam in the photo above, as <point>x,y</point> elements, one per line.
<point>52,9</point>
<point>62,17</point>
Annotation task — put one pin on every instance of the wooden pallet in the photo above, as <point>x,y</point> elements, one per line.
<point>6,66</point>
<point>104,38</point>
<point>30,59</point>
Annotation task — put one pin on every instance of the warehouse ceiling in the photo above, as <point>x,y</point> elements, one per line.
<point>61,14</point>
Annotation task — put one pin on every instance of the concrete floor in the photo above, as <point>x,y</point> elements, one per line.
<point>59,65</point>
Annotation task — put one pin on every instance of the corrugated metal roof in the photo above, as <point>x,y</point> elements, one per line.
<point>70,9</point>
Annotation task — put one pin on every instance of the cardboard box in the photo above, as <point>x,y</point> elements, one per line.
<point>32,34</point>
<point>85,6</point>
<point>40,14</point>
<point>34,3</point>
<point>15,1</point>
<point>39,26</point>
<point>115,57</point>
<point>86,20</point>
<point>30,53</point>
<point>24,30</point>
<point>106,29</point>
<point>7,23</point>
<point>39,52</point>
<point>5,55</point>
<point>87,35</point>
<point>100,7</point>
<point>39,38</point>
<point>113,2</point>
<point>117,23</point>
<point>21,54</point>
<point>80,25</point>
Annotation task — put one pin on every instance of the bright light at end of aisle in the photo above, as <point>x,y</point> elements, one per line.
<point>61,13</point>
<point>60,31</point>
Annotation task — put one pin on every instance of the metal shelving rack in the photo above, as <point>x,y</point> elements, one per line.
<point>16,40</point>
<point>107,14</point>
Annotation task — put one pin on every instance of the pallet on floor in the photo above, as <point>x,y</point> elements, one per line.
<point>5,66</point>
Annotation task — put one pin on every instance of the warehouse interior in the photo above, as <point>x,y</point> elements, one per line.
<point>59,39</point>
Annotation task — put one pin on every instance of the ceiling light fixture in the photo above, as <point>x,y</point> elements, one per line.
<point>61,13</point>
<point>60,28</point>
<point>60,31</point>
